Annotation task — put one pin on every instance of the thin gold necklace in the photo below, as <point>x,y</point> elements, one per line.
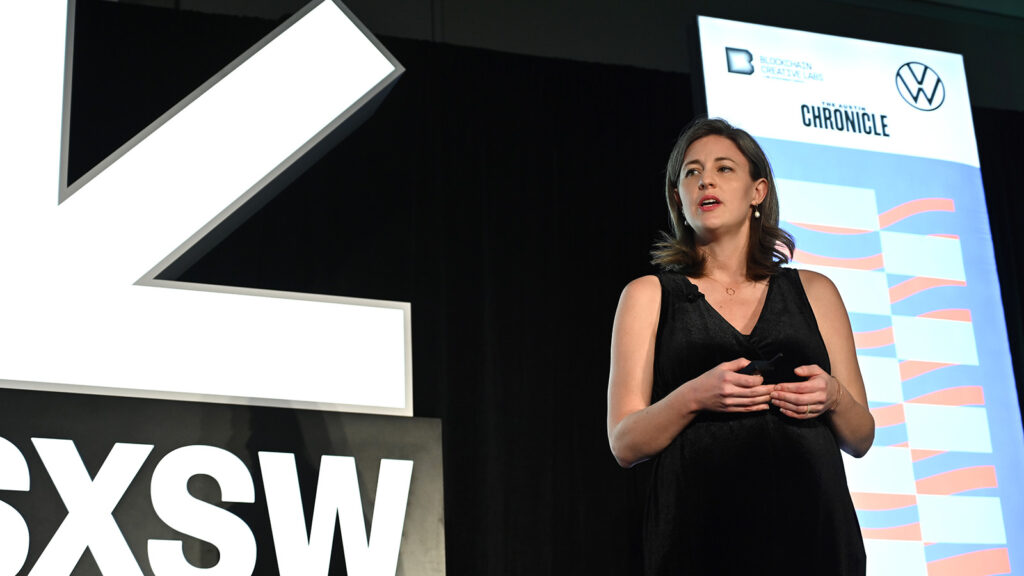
<point>729,291</point>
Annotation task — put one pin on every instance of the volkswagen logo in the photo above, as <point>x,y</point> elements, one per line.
<point>920,86</point>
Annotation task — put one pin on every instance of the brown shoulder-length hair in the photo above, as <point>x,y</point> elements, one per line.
<point>770,247</point>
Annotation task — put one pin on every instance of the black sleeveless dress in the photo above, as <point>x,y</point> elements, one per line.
<point>746,493</point>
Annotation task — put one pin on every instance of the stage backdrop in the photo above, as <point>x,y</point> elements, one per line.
<point>874,155</point>
<point>509,198</point>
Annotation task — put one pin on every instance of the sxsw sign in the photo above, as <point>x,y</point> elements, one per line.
<point>90,502</point>
<point>120,390</point>
<point>117,486</point>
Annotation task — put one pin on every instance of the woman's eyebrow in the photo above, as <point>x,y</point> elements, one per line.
<point>719,159</point>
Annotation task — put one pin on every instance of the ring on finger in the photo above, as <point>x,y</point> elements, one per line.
<point>807,409</point>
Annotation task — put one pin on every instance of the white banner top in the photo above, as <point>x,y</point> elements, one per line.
<point>819,89</point>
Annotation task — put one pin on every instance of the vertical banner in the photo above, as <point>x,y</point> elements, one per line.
<point>877,168</point>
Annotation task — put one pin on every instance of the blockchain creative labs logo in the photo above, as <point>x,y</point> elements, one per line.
<point>770,67</point>
<point>920,86</point>
<point>739,61</point>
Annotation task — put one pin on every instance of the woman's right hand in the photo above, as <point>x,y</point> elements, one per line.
<point>723,389</point>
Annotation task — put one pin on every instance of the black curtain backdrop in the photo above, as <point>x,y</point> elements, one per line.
<point>509,199</point>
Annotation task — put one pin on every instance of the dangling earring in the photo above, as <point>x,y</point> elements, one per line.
<point>757,213</point>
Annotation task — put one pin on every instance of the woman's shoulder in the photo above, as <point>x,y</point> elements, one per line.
<point>821,292</point>
<point>639,304</point>
<point>667,284</point>
<point>642,293</point>
<point>815,283</point>
<point>644,287</point>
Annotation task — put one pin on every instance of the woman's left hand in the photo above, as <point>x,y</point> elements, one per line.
<point>809,398</point>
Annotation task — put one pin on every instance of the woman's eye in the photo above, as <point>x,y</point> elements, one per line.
<point>725,168</point>
<point>690,172</point>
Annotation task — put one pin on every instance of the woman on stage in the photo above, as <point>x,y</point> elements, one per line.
<point>739,379</point>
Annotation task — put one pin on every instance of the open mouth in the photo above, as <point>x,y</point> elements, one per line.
<point>709,202</point>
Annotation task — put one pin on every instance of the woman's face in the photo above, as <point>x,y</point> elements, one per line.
<point>715,189</point>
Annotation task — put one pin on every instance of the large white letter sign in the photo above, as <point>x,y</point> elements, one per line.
<point>80,306</point>
<point>90,503</point>
<point>337,496</point>
<point>175,506</point>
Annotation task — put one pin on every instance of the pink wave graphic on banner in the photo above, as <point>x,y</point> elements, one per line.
<point>881,501</point>
<point>888,415</point>
<point>914,368</point>
<point>959,480</point>
<point>918,455</point>
<point>955,396</point>
<point>957,314</point>
<point>978,563</point>
<point>874,338</point>
<point>913,208</point>
<point>830,229</point>
<point>906,532</point>
<point>873,262</point>
<point>908,288</point>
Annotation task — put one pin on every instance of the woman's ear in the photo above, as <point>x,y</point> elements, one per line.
<point>760,191</point>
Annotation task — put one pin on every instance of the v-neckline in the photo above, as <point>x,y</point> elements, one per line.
<point>760,314</point>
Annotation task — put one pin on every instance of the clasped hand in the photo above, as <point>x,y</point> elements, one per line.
<point>723,389</point>
<point>809,398</point>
